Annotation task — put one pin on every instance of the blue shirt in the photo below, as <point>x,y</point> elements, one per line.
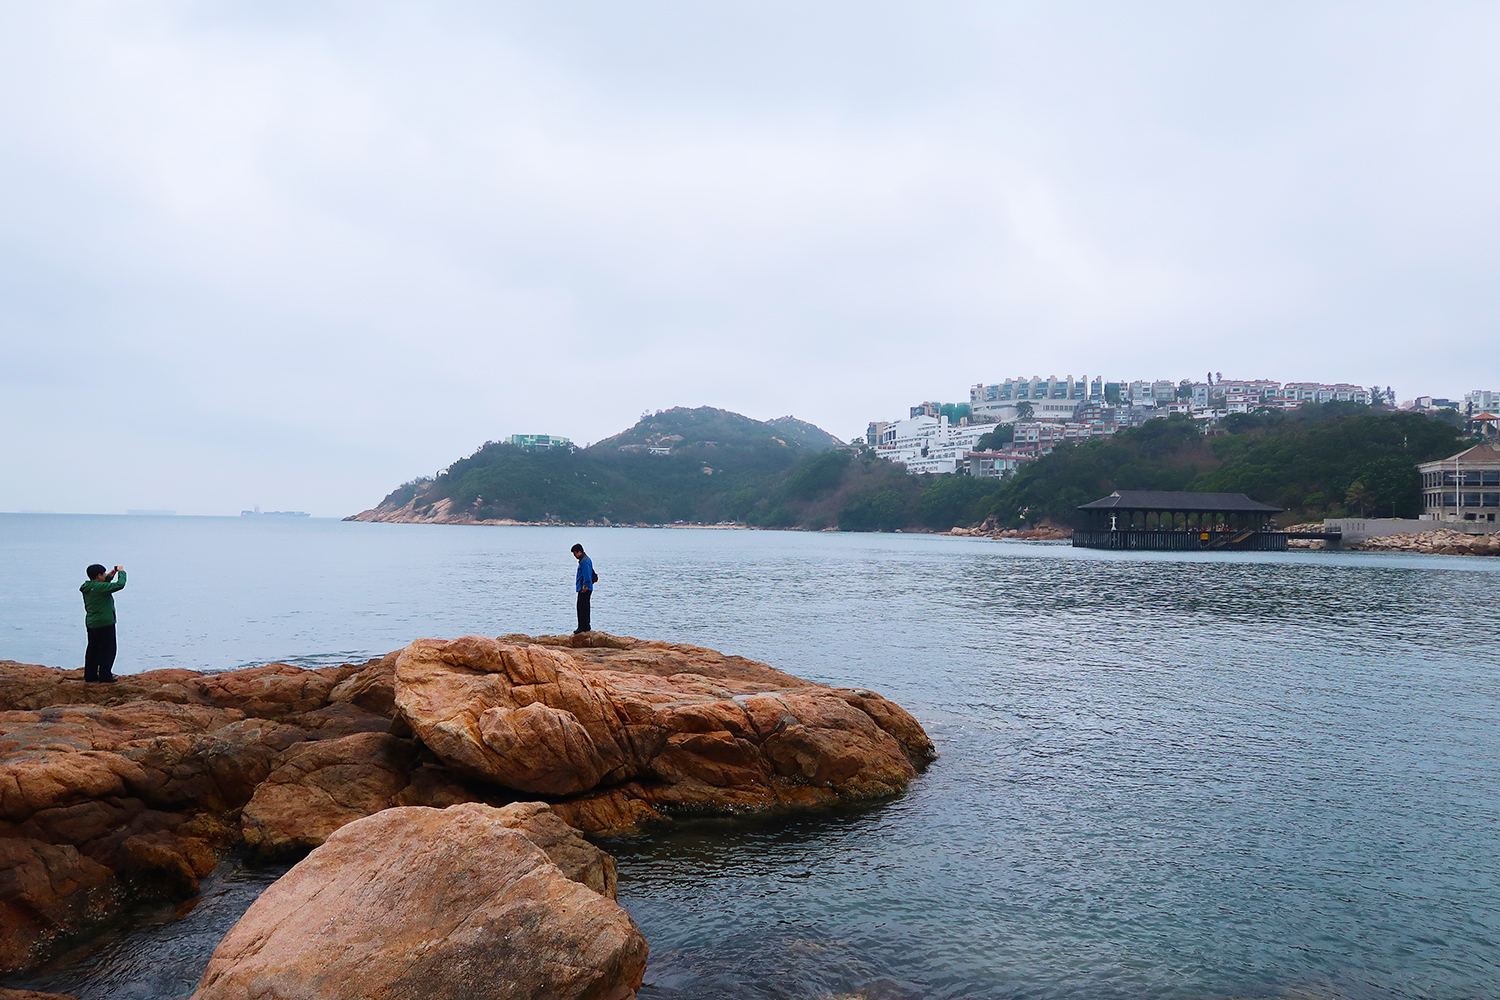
<point>585,579</point>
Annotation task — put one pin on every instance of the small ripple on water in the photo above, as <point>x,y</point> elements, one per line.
<point>1183,778</point>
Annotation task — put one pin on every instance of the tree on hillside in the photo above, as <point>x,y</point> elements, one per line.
<point>1358,497</point>
<point>1024,410</point>
<point>956,501</point>
<point>1305,462</point>
<point>1002,435</point>
<point>1394,487</point>
<point>884,511</point>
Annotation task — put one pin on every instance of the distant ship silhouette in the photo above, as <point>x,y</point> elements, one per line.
<point>257,512</point>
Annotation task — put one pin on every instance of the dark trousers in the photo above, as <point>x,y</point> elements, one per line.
<point>99,658</point>
<point>583,611</point>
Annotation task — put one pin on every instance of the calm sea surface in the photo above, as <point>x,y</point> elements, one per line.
<point>1163,775</point>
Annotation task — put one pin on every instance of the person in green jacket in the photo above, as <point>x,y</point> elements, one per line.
<point>99,619</point>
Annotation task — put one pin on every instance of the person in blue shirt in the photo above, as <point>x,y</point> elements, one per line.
<point>584,584</point>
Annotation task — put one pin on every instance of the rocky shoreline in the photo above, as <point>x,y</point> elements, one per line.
<point>1438,541</point>
<point>116,794</point>
<point>1046,531</point>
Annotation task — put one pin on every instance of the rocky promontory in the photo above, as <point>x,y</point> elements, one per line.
<point>113,794</point>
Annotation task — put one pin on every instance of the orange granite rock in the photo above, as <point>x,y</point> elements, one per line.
<point>679,727</point>
<point>419,904</point>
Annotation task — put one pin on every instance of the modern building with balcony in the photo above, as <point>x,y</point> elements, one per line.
<point>1463,487</point>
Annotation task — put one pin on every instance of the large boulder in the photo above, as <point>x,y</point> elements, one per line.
<point>426,904</point>
<point>625,728</point>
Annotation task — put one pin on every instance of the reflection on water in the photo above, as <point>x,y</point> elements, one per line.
<point>1168,775</point>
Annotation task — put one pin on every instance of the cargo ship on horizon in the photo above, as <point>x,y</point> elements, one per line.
<point>257,512</point>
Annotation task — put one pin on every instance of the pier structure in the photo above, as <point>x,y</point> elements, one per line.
<point>1160,521</point>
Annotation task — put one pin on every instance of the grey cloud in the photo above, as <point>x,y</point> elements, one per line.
<point>295,254</point>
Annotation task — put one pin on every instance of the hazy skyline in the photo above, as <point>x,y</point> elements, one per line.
<point>292,255</point>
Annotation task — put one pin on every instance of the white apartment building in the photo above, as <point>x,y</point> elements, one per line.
<point>1322,392</point>
<point>1162,392</point>
<point>1248,391</point>
<point>1482,401</point>
<point>927,444</point>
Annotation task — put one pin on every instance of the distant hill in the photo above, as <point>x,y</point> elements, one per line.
<point>704,465</point>
<point>684,429</point>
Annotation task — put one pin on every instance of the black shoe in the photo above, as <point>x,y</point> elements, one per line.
<point>107,680</point>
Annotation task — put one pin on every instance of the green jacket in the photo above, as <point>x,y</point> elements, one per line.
<point>99,601</point>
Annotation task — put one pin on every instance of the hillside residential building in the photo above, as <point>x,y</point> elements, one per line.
<point>1481,401</point>
<point>1000,464</point>
<point>1321,392</point>
<point>1462,487</point>
<point>539,442</point>
<point>1061,399</point>
<point>927,444</point>
<point>1048,398</point>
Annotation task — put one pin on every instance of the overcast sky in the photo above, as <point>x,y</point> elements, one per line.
<point>294,254</point>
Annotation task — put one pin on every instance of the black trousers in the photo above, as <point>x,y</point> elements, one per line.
<point>99,658</point>
<point>584,625</point>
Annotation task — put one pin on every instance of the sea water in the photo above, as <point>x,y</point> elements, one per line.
<point>1162,774</point>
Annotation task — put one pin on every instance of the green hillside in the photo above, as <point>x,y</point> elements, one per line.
<point>1318,461</point>
<point>720,466</point>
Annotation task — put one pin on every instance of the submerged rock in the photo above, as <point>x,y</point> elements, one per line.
<point>648,726</point>
<point>415,903</point>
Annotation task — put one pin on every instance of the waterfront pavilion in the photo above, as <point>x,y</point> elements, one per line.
<point>1153,519</point>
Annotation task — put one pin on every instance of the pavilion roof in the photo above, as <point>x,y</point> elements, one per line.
<point>1232,503</point>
